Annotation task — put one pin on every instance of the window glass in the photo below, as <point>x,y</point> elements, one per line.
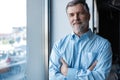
<point>12,39</point>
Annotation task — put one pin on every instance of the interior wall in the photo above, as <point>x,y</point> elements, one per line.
<point>59,21</point>
<point>35,40</point>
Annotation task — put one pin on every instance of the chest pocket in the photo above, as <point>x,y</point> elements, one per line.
<point>87,58</point>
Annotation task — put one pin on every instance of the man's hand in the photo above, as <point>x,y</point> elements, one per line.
<point>64,67</point>
<point>93,66</point>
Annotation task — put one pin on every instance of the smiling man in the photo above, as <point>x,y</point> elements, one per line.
<point>81,55</point>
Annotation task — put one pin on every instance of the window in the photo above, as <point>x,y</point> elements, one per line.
<point>12,39</point>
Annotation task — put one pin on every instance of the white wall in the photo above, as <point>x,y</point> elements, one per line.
<point>59,22</point>
<point>35,40</point>
<point>90,5</point>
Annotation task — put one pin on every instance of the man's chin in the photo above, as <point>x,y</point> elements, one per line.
<point>77,25</point>
<point>76,30</point>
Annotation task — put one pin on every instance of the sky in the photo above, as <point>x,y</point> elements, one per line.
<point>12,14</point>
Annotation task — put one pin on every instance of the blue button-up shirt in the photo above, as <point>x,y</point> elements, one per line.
<point>79,53</point>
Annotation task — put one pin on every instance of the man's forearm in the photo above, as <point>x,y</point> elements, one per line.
<point>93,66</point>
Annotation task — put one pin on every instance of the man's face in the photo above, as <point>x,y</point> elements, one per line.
<point>79,18</point>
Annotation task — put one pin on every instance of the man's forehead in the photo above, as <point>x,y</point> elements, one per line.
<point>77,7</point>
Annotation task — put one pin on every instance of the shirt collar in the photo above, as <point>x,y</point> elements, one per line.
<point>88,35</point>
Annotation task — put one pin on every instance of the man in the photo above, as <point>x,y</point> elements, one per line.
<point>81,55</point>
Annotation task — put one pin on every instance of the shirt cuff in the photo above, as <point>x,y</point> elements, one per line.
<point>88,72</point>
<point>71,74</point>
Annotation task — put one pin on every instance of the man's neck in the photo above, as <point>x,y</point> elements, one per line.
<point>82,32</point>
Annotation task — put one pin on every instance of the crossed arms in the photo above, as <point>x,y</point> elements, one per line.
<point>64,67</point>
<point>99,70</point>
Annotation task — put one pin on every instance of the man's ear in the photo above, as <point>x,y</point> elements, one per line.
<point>89,16</point>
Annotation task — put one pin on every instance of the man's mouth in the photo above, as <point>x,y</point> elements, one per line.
<point>77,23</point>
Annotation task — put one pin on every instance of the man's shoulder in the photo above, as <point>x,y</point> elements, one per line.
<point>63,40</point>
<point>101,39</point>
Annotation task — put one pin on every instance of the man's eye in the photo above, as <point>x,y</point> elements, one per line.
<point>71,15</point>
<point>82,13</point>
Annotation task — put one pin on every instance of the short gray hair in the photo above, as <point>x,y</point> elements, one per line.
<point>75,2</point>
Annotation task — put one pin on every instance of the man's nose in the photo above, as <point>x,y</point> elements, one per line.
<point>76,17</point>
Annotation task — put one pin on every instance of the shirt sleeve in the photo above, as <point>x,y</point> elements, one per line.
<point>101,70</point>
<point>54,65</point>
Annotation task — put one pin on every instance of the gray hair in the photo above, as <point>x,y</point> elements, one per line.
<point>75,2</point>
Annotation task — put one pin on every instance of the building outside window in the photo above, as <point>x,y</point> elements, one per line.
<point>12,39</point>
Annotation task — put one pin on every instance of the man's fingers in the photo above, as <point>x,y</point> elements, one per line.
<point>62,61</point>
<point>93,65</point>
<point>64,67</point>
